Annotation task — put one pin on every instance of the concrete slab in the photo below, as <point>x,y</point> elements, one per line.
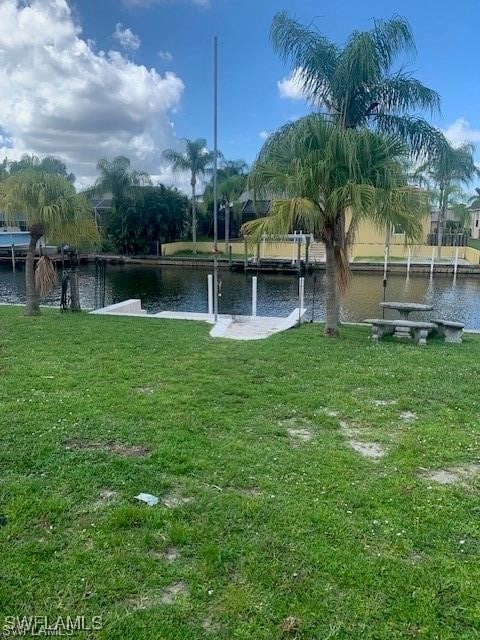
<point>227,326</point>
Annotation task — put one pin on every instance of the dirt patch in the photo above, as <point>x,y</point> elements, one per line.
<point>144,390</point>
<point>172,501</point>
<point>171,555</point>
<point>250,492</point>
<point>367,449</point>
<point>111,446</point>
<point>408,415</point>
<point>174,592</point>
<point>290,625</point>
<point>462,476</point>
<point>384,403</point>
<point>300,435</point>
<point>210,626</point>
<point>106,497</point>
<point>169,595</point>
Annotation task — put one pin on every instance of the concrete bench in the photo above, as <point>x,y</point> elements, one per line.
<point>401,328</point>
<point>451,331</point>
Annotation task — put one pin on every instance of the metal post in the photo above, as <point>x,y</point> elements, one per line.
<point>210,294</point>
<point>293,248</point>
<point>455,266</point>
<point>13,257</point>
<point>158,249</point>
<point>245,256</point>
<point>408,261</point>
<point>230,255</point>
<point>254,296</point>
<point>227,226</point>
<point>299,255</point>
<point>433,262</point>
<point>313,296</point>
<point>301,295</point>
<point>215,186</point>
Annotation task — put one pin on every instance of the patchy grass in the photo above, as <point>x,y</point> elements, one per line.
<point>269,525</point>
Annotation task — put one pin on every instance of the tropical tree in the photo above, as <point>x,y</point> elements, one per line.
<point>196,160</point>
<point>475,199</point>
<point>52,208</point>
<point>355,85</point>
<point>444,174</point>
<point>231,182</point>
<point>49,164</point>
<point>326,179</point>
<point>118,178</point>
<point>148,215</point>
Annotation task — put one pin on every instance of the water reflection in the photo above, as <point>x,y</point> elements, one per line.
<point>185,289</point>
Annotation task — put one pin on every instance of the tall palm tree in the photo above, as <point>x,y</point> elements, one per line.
<point>51,208</point>
<point>318,171</point>
<point>446,172</point>
<point>196,160</point>
<point>354,85</point>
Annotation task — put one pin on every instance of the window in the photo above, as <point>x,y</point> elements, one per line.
<point>398,229</point>
<point>476,222</point>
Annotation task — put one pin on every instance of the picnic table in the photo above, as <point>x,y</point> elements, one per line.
<point>406,308</point>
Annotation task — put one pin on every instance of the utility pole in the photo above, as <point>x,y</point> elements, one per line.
<point>215,167</point>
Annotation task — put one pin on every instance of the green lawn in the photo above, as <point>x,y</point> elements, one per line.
<point>270,524</point>
<point>474,243</point>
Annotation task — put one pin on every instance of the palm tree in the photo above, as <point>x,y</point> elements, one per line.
<point>117,177</point>
<point>318,171</point>
<point>354,85</point>
<point>196,159</point>
<point>51,208</point>
<point>230,189</point>
<point>475,200</point>
<point>446,172</point>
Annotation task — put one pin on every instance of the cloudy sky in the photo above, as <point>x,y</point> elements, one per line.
<point>84,79</point>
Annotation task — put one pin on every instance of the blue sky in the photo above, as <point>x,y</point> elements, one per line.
<point>81,85</point>
<point>446,35</point>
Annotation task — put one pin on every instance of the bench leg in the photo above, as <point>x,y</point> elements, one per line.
<point>376,333</point>
<point>453,335</point>
<point>420,336</point>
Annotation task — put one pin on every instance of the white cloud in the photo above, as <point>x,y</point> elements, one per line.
<point>165,56</point>
<point>59,96</point>
<point>264,134</point>
<point>292,86</point>
<point>460,132</point>
<point>126,37</point>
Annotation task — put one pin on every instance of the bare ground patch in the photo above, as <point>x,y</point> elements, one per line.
<point>384,403</point>
<point>408,416</point>
<point>110,446</point>
<point>106,497</point>
<point>173,500</point>
<point>462,475</point>
<point>170,595</point>
<point>367,449</point>
<point>300,435</point>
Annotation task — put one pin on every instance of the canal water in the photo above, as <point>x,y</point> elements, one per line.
<point>185,289</point>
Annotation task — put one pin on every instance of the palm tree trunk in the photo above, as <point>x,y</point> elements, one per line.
<point>332,302</point>
<point>32,307</point>
<point>194,217</point>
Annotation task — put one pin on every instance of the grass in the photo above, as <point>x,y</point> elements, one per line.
<point>281,536</point>
<point>474,243</point>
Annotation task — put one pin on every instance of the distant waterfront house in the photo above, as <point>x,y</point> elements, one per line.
<point>475,224</point>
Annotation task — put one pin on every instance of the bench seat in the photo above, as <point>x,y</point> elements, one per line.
<point>450,330</point>
<point>401,328</point>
